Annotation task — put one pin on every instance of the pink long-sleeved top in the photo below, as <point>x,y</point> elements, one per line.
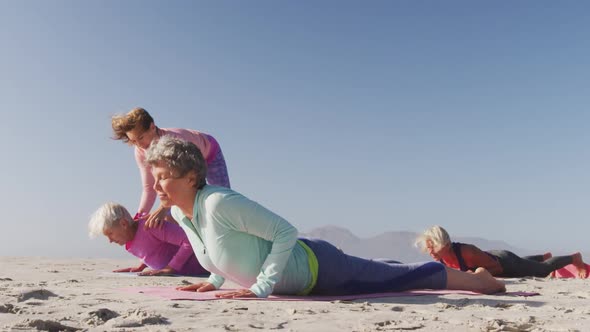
<point>165,246</point>
<point>206,143</point>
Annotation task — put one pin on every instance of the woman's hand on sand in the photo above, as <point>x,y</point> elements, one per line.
<point>131,269</point>
<point>200,287</point>
<point>157,218</point>
<point>236,294</point>
<point>161,272</point>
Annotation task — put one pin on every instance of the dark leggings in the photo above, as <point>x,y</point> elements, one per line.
<point>536,258</point>
<point>530,266</point>
<point>342,274</point>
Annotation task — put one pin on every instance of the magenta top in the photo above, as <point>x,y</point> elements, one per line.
<point>206,143</point>
<point>165,246</point>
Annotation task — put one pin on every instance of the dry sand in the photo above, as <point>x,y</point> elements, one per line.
<point>80,295</point>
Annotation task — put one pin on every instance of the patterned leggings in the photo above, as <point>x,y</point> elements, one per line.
<point>217,171</point>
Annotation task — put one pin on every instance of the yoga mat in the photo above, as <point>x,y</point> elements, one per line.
<point>171,293</point>
<point>136,274</point>
<point>568,271</point>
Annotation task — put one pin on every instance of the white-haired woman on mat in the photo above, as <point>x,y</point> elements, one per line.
<point>165,250</point>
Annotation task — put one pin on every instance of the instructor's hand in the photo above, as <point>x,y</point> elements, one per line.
<point>157,218</point>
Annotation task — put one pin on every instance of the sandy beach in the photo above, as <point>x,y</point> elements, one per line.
<point>82,295</point>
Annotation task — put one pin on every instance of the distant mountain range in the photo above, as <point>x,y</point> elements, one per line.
<point>395,245</point>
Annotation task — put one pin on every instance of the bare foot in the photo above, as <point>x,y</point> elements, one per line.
<point>489,284</point>
<point>579,264</point>
<point>547,255</point>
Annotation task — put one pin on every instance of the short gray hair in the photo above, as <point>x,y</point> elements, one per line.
<point>180,156</point>
<point>106,217</point>
<point>437,235</point>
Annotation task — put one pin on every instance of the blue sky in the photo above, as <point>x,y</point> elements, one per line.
<point>374,116</point>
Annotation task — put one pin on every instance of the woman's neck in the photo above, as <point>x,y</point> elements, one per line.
<point>133,230</point>
<point>448,255</point>
<point>187,207</point>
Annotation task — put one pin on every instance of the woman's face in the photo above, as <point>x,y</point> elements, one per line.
<point>121,233</point>
<point>436,254</point>
<point>171,188</point>
<point>142,138</point>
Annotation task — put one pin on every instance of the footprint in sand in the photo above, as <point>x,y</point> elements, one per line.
<point>504,325</point>
<point>256,327</point>
<point>397,325</point>
<point>136,318</point>
<point>581,295</point>
<point>100,316</point>
<point>293,311</point>
<point>38,294</point>
<point>445,306</point>
<point>519,307</point>
<point>43,325</point>
<point>10,309</point>
<point>279,326</point>
<point>60,282</point>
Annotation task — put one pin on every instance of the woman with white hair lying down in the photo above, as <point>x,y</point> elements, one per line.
<point>501,263</point>
<point>166,250</point>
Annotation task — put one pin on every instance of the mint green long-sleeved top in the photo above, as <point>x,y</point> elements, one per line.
<point>238,239</point>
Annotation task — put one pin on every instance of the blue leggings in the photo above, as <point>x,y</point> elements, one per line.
<point>342,274</point>
<point>217,171</point>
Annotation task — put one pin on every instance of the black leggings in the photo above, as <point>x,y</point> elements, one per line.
<point>529,266</point>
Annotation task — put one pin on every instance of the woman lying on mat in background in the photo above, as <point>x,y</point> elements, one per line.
<point>240,240</point>
<point>166,250</point>
<point>501,263</point>
<point>138,128</point>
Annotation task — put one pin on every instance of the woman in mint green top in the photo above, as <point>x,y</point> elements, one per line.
<point>236,238</point>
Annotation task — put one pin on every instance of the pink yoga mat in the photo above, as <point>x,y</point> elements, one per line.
<point>171,293</point>
<point>568,271</point>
